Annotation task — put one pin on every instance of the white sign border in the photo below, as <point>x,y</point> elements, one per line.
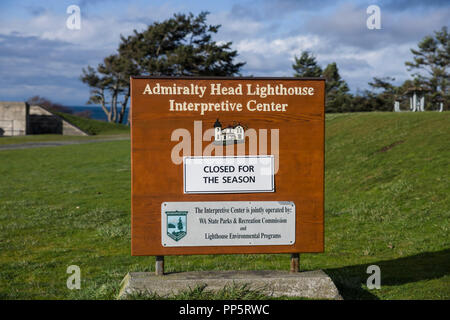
<point>164,204</point>
<point>230,191</point>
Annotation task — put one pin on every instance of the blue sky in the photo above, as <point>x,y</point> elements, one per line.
<point>40,56</point>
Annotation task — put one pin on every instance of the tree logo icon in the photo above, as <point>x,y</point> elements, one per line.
<point>176,224</point>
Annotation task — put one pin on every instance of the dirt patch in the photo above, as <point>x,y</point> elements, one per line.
<point>389,147</point>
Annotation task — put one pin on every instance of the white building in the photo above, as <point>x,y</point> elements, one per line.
<point>230,134</point>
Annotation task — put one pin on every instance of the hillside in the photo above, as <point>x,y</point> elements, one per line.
<point>386,199</point>
<point>94,127</point>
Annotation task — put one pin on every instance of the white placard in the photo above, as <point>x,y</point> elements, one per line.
<point>234,223</point>
<point>233,174</point>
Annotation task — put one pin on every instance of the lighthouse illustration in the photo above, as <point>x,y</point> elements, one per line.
<point>228,135</point>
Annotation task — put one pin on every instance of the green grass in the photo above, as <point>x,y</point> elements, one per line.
<point>201,292</point>
<point>56,137</point>
<point>387,203</point>
<point>97,130</point>
<point>95,127</point>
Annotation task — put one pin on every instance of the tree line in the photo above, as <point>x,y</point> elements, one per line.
<point>56,107</point>
<point>183,46</point>
<point>429,74</point>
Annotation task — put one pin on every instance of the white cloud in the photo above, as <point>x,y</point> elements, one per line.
<point>284,46</point>
<point>266,42</point>
<point>233,27</point>
<point>266,57</point>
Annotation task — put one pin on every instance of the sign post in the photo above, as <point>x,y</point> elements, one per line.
<point>159,265</point>
<point>227,166</point>
<point>295,262</point>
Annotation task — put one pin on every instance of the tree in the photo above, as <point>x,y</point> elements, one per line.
<point>306,66</point>
<point>336,90</point>
<point>384,84</point>
<point>110,79</point>
<point>180,224</point>
<point>385,95</point>
<point>179,46</point>
<point>48,104</point>
<point>432,56</point>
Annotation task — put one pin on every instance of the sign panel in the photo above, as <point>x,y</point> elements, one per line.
<point>238,174</point>
<point>236,223</point>
<point>175,121</point>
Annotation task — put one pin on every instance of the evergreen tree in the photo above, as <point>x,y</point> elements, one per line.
<point>385,93</point>
<point>110,80</point>
<point>306,66</point>
<point>384,84</point>
<point>336,89</point>
<point>432,56</point>
<point>179,46</point>
<point>180,224</point>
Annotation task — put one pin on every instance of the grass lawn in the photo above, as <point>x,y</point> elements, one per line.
<point>57,137</point>
<point>387,203</point>
<point>95,127</point>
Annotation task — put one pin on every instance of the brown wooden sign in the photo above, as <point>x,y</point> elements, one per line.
<point>227,165</point>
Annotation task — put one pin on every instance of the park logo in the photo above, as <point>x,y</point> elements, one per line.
<point>176,224</point>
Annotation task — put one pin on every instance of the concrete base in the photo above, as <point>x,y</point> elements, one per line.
<point>310,284</point>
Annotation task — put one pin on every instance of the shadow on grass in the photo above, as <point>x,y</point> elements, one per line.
<point>424,266</point>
